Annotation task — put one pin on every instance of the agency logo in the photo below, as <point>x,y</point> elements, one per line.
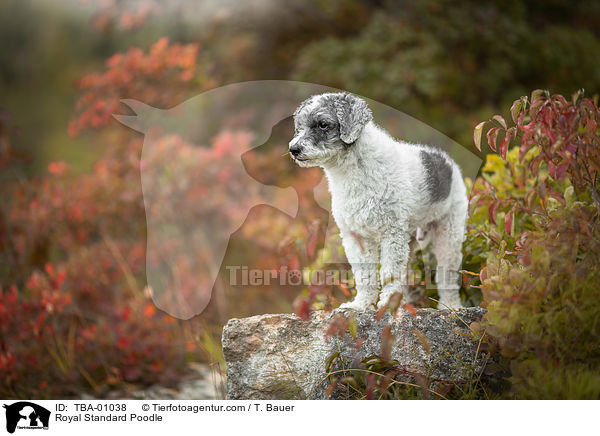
<point>26,415</point>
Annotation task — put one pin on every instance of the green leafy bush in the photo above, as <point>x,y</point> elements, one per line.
<point>537,206</point>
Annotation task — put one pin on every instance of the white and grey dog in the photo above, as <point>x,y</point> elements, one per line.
<point>385,193</point>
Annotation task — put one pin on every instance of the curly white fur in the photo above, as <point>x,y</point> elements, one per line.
<point>384,192</point>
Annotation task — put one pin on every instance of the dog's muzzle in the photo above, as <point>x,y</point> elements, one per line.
<point>295,150</point>
<point>295,147</point>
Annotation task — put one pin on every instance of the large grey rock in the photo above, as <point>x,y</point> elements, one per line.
<point>283,357</point>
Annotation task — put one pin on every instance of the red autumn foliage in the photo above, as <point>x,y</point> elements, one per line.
<point>73,246</point>
<point>536,209</point>
<point>138,75</point>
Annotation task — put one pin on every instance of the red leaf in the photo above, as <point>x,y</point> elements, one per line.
<point>345,290</point>
<point>492,136</point>
<point>411,309</point>
<point>57,168</point>
<point>123,342</point>
<point>508,221</point>
<point>536,105</point>
<point>561,170</point>
<point>49,269</point>
<point>591,125</point>
<point>126,313</point>
<point>504,146</point>
<point>552,169</point>
<point>534,165</point>
<point>371,384</point>
<point>493,210</point>
<point>358,344</point>
<point>311,245</point>
<point>304,311</point>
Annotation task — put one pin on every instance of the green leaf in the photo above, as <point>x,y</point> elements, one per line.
<point>352,327</point>
<point>330,361</point>
<point>500,120</point>
<point>477,135</point>
<point>537,93</point>
<point>570,196</point>
<point>515,109</point>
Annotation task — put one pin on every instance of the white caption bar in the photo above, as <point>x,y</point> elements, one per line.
<point>159,417</point>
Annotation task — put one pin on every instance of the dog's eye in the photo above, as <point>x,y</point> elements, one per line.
<point>323,125</point>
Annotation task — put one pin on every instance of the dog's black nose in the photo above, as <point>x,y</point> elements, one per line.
<point>295,150</point>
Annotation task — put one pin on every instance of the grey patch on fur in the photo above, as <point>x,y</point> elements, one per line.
<point>304,104</point>
<point>316,136</point>
<point>438,175</point>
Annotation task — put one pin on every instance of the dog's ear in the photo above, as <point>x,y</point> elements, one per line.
<point>353,114</point>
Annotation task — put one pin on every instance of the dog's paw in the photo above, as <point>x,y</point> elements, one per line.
<point>356,305</point>
<point>385,297</point>
<point>381,303</point>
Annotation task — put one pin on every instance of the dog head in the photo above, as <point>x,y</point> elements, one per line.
<point>325,126</point>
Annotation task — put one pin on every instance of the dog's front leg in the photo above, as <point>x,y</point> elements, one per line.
<point>395,249</point>
<point>363,257</point>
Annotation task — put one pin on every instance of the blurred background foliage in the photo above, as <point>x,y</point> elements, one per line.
<point>74,308</point>
<point>445,63</point>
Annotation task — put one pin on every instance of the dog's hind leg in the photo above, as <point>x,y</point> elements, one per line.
<point>447,248</point>
<point>363,256</point>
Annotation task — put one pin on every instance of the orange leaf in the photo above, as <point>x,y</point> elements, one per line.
<point>411,309</point>
<point>149,310</point>
<point>345,289</point>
